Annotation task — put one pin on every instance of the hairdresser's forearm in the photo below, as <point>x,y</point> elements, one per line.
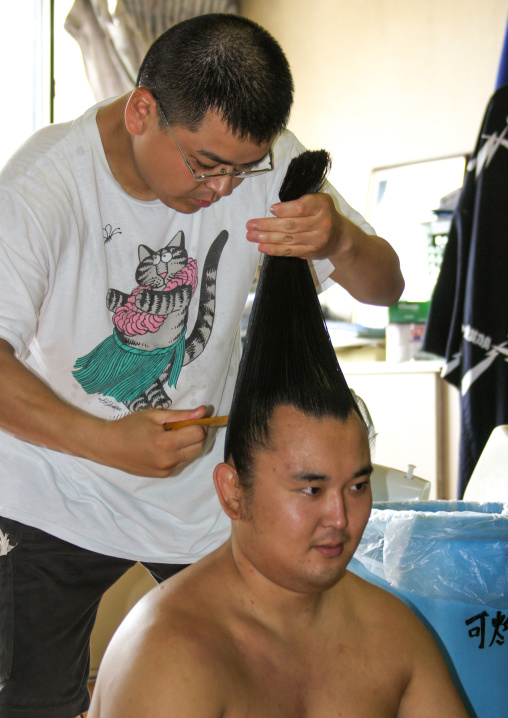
<point>137,443</point>
<point>366,265</point>
<point>31,411</point>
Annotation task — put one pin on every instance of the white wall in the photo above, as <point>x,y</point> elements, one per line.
<point>382,82</point>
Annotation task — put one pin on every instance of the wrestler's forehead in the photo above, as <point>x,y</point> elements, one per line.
<point>302,443</point>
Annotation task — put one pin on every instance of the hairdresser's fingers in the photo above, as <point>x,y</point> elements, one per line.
<point>309,228</point>
<point>284,219</point>
<point>298,212</point>
<point>298,251</point>
<point>301,245</point>
<point>139,444</point>
<point>188,444</point>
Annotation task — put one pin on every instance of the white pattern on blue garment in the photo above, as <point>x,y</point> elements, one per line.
<point>5,545</point>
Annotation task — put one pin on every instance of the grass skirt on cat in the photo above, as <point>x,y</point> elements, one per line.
<point>123,372</point>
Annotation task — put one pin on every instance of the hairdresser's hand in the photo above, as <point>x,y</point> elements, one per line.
<point>312,228</point>
<point>309,227</point>
<point>139,444</point>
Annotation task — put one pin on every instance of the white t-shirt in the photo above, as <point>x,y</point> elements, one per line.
<point>68,235</point>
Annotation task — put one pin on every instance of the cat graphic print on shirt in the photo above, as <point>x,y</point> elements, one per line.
<point>148,346</point>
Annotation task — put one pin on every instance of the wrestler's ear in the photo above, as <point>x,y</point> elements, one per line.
<point>140,110</point>
<point>229,490</point>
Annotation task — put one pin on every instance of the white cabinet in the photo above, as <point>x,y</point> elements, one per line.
<point>416,417</point>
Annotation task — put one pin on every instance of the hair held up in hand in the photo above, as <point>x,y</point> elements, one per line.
<point>288,357</point>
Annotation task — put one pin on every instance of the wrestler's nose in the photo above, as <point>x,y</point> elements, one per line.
<point>335,513</point>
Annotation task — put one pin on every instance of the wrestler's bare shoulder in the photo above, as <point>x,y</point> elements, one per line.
<point>372,603</point>
<point>168,651</point>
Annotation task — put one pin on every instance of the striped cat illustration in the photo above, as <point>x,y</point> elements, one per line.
<point>148,347</point>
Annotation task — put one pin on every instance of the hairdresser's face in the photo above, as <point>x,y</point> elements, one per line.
<point>162,169</point>
<point>310,501</point>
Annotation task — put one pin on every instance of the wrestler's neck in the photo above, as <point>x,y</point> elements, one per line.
<point>274,604</point>
<point>117,144</point>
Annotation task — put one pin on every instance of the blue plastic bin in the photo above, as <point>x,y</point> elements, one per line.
<point>448,561</point>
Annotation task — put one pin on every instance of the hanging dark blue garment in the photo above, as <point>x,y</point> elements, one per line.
<point>468,317</point>
<point>502,70</point>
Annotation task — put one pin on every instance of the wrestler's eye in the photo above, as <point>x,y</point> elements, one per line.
<point>360,486</point>
<point>167,256</point>
<point>311,490</point>
<point>156,259</point>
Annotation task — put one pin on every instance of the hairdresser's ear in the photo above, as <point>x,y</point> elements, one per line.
<point>228,490</point>
<point>141,109</point>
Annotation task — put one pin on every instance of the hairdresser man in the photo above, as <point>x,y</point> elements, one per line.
<point>129,240</point>
<point>272,623</point>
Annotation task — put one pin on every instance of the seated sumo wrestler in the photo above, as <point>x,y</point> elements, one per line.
<point>272,624</point>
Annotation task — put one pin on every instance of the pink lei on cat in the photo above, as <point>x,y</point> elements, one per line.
<point>131,321</point>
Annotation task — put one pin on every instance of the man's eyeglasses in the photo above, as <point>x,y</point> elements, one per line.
<point>266,165</point>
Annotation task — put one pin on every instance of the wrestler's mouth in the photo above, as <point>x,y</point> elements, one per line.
<point>330,550</point>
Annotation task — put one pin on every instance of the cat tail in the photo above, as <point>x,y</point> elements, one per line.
<point>198,339</point>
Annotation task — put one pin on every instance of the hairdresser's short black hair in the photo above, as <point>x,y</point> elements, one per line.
<point>225,63</point>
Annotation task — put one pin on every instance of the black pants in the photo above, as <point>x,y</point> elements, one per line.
<point>50,591</point>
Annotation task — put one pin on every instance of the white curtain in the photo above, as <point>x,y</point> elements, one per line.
<point>114,36</point>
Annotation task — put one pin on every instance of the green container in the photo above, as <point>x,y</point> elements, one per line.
<point>408,312</point>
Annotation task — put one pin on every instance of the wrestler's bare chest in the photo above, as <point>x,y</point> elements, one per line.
<point>328,679</point>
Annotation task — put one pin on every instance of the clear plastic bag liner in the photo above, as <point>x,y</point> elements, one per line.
<point>452,550</point>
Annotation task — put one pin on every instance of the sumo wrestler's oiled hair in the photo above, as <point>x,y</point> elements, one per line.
<point>288,357</point>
